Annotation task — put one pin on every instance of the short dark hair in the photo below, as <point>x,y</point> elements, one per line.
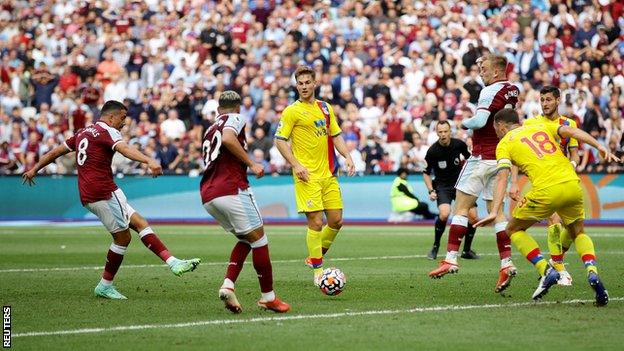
<point>229,99</point>
<point>550,89</point>
<point>301,70</point>
<point>508,116</point>
<point>402,170</point>
<point>112,106</point>
<point>441,123</point>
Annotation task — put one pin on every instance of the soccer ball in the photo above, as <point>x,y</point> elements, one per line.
<point>332,281</point>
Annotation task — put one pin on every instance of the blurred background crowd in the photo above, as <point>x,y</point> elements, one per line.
<point>391,69</point>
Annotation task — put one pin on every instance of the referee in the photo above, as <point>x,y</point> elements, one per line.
<point>444,159</point>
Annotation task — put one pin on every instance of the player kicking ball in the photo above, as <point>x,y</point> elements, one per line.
<point>227,197</point>
<point>556,188</point>
<point>95,146</point>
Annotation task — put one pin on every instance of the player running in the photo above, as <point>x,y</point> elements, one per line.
<point>559,239</point>
<point>444,160</point>
<point>227,197</point>
<point>533,149</point>
<point>95,146</point>
<point>312,129</point>
<point>478,173</point>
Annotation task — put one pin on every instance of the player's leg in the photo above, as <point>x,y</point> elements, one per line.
<point>314,243</point>
<point>152,242</point>
<point>572,213</point>
<point>259,244</point>
<point>459,227</point>
<point>331,229</point>
<point>507,269</point>
<point>110,214</point>
<point>114,257</point>
<point>467,252</point>
<point>332,203</point>
<point>554,234</point>
<point>529,248</point>
<point>223,210</point>
<point>309,198</point>
<point>444,209</point>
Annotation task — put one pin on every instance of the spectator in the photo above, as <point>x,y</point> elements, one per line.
<point>172,127</point>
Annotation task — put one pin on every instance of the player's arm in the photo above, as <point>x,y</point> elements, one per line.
<point>298,169</point>
<point>230,141</point>
<point>285,128</point>
<point>136,155</point>
<point>341,146</point>
<point>514,191</point>
<point>49,157</point>
<point>479,120</point>
<point>500,188</point>
<point>580,135</point>
<point>575,159</point>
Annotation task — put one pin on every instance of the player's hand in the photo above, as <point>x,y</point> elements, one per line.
<point>485,221</point>
<point>433,195</point>
<point>155,168</point>
<point>301,172</point>
<point>258,170</point>
<point>606,155</point>
<point>514,192</point>
<point>29,177</point>
<point>350,167</point>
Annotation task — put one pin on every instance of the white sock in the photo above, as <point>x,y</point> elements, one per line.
<point>506,262</point>
<point>451,256</point>
<point>269,296</point>
<point>106,282</point>
<point>170,260</point>
<point>227,284</point>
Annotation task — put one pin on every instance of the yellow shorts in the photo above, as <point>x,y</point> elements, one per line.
<point>318,195</point>
<point>566,199</point>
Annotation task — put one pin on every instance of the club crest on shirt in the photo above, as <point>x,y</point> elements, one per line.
<point>324,109</point>
<point>456,161</point>
<point>442,164</point>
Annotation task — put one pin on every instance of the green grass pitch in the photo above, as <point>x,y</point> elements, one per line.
<point>47,276</point>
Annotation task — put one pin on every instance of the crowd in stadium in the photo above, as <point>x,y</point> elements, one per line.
<point>390,69</point>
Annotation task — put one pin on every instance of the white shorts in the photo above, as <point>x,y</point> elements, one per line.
<point>477,178</point>
<point>237,214</point>
<point>114,213</point>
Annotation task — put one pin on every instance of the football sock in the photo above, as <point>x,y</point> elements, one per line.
<point>553,234</point>
<point>585,249</point>
<point>566,240</point>
<point>328,235</point>
<point>468,238</point>
<point>262,264</point>
<point>459,227</point>
<point>151,241</point>
<point>438,231</point>
<point>529,248</point>
<point>503,242</point>
<point>113,261</point>
<point>315,252</point>
<point>268,296</point>
<point>237,260</point>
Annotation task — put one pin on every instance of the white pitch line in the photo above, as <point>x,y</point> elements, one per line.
<point>298,317</point>
<point>63,269</point>
<point>369,258</point>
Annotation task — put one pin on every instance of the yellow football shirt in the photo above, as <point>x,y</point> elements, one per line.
<point>565,143</point>
<point>534,150</point>
<point>305,124</point>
